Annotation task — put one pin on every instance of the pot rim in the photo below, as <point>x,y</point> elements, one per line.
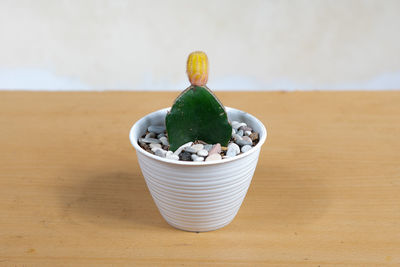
<point>139,149</point>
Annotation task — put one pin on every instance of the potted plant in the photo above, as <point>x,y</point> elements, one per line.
<point>198,157</point>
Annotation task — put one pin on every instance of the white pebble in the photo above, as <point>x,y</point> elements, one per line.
<point>154,149</point>
<point>240,133</point>
<point>170,155</point>
<point>203,153</point>
<point>244,141</point>
<point>150,135</point>
<point>182,147</point>
<point>245,128</point>
<point>208,147</point>
<point>160,135</point>
<point>233,131</point>
<point>247,133</point>
<point>155,145</point>
<point>194,148</point>
<point>235,147</point>
<point>233,150</point>
<point>164,141</point>
<point>156,129</point>
<point>160,152</point>
<point>236,137</point>
<point>246,148</point>
<point>197,158</point>
<point>198,147</point>
<point>214,157</point>
<point>236,125</point>
<point>149,140</point>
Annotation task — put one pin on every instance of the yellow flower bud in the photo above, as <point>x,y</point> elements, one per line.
<point>197,68</point>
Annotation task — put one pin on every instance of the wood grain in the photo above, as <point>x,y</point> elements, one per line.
<point>326,190</point>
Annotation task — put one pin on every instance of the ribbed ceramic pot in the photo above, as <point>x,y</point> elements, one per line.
<point>198,196</point>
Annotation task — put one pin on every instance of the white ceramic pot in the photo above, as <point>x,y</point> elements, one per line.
<point>198,196</point>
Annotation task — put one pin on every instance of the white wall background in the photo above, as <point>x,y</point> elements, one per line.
<point>252,45</point>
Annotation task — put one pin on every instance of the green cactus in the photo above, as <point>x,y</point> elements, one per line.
<point>197,114</point>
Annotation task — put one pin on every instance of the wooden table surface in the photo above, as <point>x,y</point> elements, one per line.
<point>326,190</point>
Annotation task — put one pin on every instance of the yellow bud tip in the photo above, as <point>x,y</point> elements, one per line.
<point>197,68</point>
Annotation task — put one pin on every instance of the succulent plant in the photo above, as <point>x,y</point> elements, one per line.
<point>197,114</point>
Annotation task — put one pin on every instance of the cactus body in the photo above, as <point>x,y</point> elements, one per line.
<point>197,114</point>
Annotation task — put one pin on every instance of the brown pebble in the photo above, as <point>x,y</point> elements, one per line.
<point>146,147</point>
<point>224,148</point>
<point>254,136</point>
